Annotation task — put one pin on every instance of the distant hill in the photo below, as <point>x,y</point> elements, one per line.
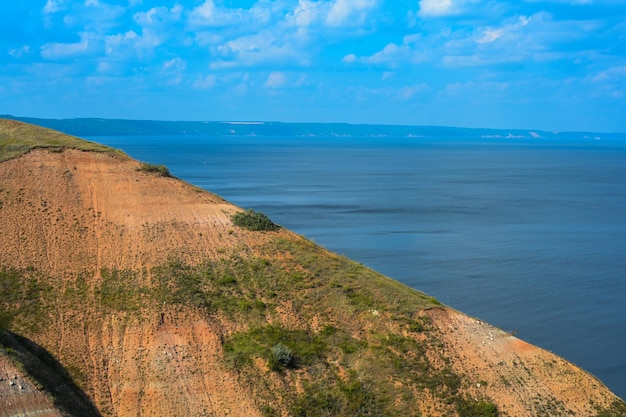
<point>126,292</point>
<point>106,127</point>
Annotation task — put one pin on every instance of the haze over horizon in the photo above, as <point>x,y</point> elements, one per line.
<point>549,65</point>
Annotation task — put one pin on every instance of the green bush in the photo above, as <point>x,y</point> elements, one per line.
<point>335,397</point>
<point>466,407</point>
<point>252,220</point>
<point>304,349</point>
<point>161,170</point>
<point>281,357</point>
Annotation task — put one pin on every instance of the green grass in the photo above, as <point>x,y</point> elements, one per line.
<point>160,170</point>
<point>467,407</point>
<point>17,138</point>
<point>260,342</point>
<point>617,409</point>
<point>252,220</point>
<point>336,397</point>
<point>247,289</point>
<point>25,299</point>
<point>387,367</point>
<point>343,283</point>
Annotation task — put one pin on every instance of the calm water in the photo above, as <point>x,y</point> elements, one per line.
<point>529,237</point>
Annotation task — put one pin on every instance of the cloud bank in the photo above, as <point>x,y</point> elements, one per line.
<point>319,60</point>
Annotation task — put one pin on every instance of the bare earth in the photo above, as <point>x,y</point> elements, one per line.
<point>19,397</point>
<point>64,212</point>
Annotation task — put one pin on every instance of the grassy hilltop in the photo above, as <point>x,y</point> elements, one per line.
<point>17,138</point>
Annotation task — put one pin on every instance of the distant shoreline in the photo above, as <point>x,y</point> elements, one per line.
<point>116,127</point>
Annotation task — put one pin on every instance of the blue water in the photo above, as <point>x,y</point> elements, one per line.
<point>530,237</point>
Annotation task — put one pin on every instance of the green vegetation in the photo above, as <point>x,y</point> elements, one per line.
<point>118,291</point>
<point>617,409</point>
<point>387,368</point>
<point>252,220</point>
<point>248,289</point>
<point>282,357</point>
<point>25,299</point>
<point>17,138</point>
<point>336,397</point>
<point>342,283</point>
<point>326,393</point>
<point>160,170</point>
<point>281,348</point>
<point>467,407</point>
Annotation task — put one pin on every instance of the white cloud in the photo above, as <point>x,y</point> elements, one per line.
<point>87,16</point>
<point>409,92</point>
<point>158,16</point>
<point>350,59</point>
<point>20,52</point>
<point>225,30</point>
<point>611,75</point>
<point>158,26</point>
<point>509,30</point>
<point>350,12</point>
<point>104,67</point>
<point>444,8</point>
<point>65,50</point>
<point>489,35</point>
<point>205,12</point>
<point>203,83</point>
<point>263,48</point>
<point>210,15</point>
<point>112,43</point>
<point>435,7</point>
<point>307,12</point>
<point>276,79</point>
<point>53,6</point>
<point>336,13</point>
<point>174,65</point>
<point>131,48</point>
<point>537,38</point>
<point>174,70</point>
<point>393,55</point>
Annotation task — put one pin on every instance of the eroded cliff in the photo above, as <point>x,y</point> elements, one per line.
<point>155,304</point>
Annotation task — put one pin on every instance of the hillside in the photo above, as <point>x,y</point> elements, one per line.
<point>142,297</point>
<point>115,127</point>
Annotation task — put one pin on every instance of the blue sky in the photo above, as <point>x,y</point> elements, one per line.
<point>553,64</point>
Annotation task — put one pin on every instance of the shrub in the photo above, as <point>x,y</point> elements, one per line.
<point>263,342</point>
<point>161,170</point>
<point>281,358</point>
<point>252,220</point>
<point>469,408</point>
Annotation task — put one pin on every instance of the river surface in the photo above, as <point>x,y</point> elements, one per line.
<point>527,235</point>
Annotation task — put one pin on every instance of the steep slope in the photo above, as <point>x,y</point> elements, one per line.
<point>141,286</point>
<point>19,396</point>
<point>32,382</point>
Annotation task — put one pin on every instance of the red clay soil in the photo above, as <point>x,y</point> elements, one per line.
<point>102,211</point>
<point>521,378</point>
